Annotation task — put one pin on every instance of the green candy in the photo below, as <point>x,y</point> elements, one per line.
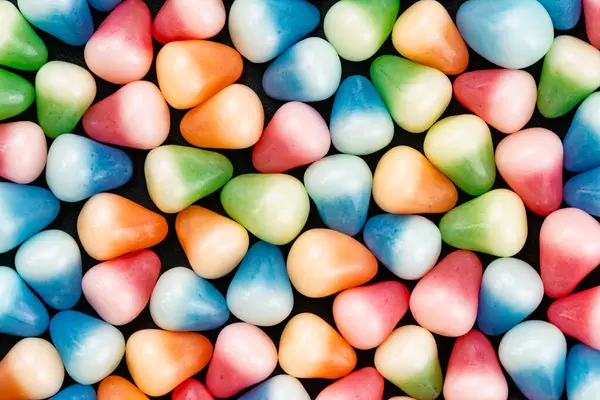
<point>20,46</point>
<point>16,94</point>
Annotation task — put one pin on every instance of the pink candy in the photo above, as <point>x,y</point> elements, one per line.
<point>364,384</point>
<point>191,390</point>
<point>188,19</point>
<point>592,21</point>
<point>23,151</point>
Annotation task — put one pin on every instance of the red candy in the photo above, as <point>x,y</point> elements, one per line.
<point>364,384</point>
<point>191,390</point>
<point>188,19</point>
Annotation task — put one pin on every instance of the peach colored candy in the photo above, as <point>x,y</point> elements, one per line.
<point>191,390</point>
<point>322,262</point>
<point>110,226</point>
<point>232,119</point>
<point>310,348</point>
<point>188,19</point>
<point>192,71</point>
<point>23,151</point>
<point>364,384</point>
<point>116,388</point>
<point>405,182</point>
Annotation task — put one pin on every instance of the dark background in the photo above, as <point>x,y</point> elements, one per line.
<point>170,251</point>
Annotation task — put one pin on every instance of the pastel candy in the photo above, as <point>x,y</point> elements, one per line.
<point>90,348</point>
<point>260,292</point>
<point>274,207</point>
<point>20,47</point>
<point>134,116</point>
<point>280,387</point>
<point>104,5</point>
<point>191,389</point>
<point>188,19</point>
<point>473,225</point>
<point>530,161</point>
<point>409,359</point>
<point>583,372</point>
<point>364,384</point>
<point>177,176</point>
<point>581,191</point>
<point>415,95</point>
<point>244,355</point>
<point>64,92</point>
<point>310,348</point>
<point>496,31</point>
<point>308,71</point>
<point>24,155</point>
<point>119,289</point>
<point>16,94</point>
<point>114,387</point>
<point>79,168</point>
<point>564,13</point>
<point>110,226</point>
<point>76,392</point>
<point>340,185</point>
<point>591,9</point>
<point>360,123</point>
<point>582,142</point>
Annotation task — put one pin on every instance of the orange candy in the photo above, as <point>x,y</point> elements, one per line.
<point>117,388</point>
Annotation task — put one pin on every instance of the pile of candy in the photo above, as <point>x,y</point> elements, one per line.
<point>452,293</point>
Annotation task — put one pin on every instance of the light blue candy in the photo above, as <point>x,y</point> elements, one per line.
<point>564,13</point>
<point>583,191</point>
<point>582,142</point>
<point>509,33</point>
<point>583,373</point>
<point>104,5</point>
<point>76,392</point>
<point>280,387</point>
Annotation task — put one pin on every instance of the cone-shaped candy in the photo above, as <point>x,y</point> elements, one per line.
<point>510,291</point>
<point>591,9</point>
<point>76,392</point>
<point>510,33</point>
<point>308,71</point>
<point>183,301</point>
<point>533,353</point>
<point>280,387</point>
<point>20,46</point>
<point>473,370</point>
<point>582,142</point>
<point>323,262</point>
<point>64,92</point>
<point>191,389</point>
<point>188,19</point>
<point>115,387</point>
<point>177,176</point>
<point>119,289</point>
<point>340,185</point>
<point>409,359</point>
<point>104,5</point>
<point>16,94</point>
<point>202,70</point>
<point>366,315</point>
<point>110,226</point>
<point>364,384</point>
<point>31,370</point>
<point>24,151</point>
<point>494,223</point>
<point>405,182</point>
<point>260,292</point>
<point>310,348</point>
<point>121,49</point>
<point>577,315</point>
<point>571,72</point>
<point>583,373</point>
<point>408,245</point>
<point>160,360</point>
<point>231,119</point>
<point>415,95</point>
<point>90,348</point>
<point>426,34</point>
<point>531,161</point>
<point>581,191</point>
<point>244,355</point>
<point>564,13</point>
<point>274,207</point>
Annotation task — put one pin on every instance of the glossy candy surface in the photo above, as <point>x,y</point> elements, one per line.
<point>20,46</point>
<point>188,19</point>
<point>24,151</point>
<point>363,384</point>
<point>564,13</point>
<point>582,142</point>
<point>114,387</point>
<point>583,372</point>
<point>591,9</point>
<point>581,191</point>
<point>76,392</point>
<point>16,94</point>
<point>280,387</point>
<point>191,389</point>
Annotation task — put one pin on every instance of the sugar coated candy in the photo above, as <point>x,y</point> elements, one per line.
<point>16,94</point>
<point>582,142</point>
<point>104,5</point>
<point>363,384</point>
<point>564,13</point>
<point>591,9</point>
<point>191,389</point>
<point>24,151</point>
<point>188,19</point>
<point>581,191</point>
<point>280,387</point>
<point>583,373</point>
<point>76,392</point>
<point>115,387</point>
<point>20,47</point>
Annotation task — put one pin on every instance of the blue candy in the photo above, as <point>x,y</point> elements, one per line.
<point>583,191</point>
<point>564,13</point>
<point>104,5</point>
<point>582,142</point>
<point>583,373</point>
<point>280,387</point>
<point>76,392</point>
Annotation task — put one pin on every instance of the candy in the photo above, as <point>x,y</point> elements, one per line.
<point>571,72</point>
<point>31,370</point>
<point>310,348</point>
<point>364,384</point>
<point>202,70</point>
<point>511,33</point>
<point>191,389</point>
<point>76,392</point>
<point>119,289</point>
<point>114,387</point>
<point>24,151</point>
<point>581,191</point>
<point>564,13</point>
<point>274,207</point>
<point>426,34</point>
<point>360,123</point>
<point>591,9</point>
<point>160,360</point>
<point>473,370</point>
<point>214,245</point>
<point>121,49</point>
<point>188,19</point>
<point>280,387</point>
<point>569,250</point>
<point>323,262</point>
<point>510,291</point>
<point>533,353</point>
<point>405,182</point>
<point>177,176</point>
<point>308,71</point>
<point>183,301</point>
<point>358,28</point>
<point>244,355</point>
<point>134,116</point>
<point>16,94</point>
<point>530,161</point>
<point>263,29</point>
<point>20,46</point>
<point>408,245</point>
<point>366,315</point>
<point>409,359</point>
<point>296,135</point>
<point>110,226</point>
<point>415,95</point>
<point>260,292</point>
<point>104,5</point>
<point>90,348</point>
<point>582,142</point>
<point>494,223</point>
<point>340,185</point>
<point>461,148</point>
<point>64,92</point>
<point>79,168</point>
<point>231,119</point>
<point>583,373</point>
